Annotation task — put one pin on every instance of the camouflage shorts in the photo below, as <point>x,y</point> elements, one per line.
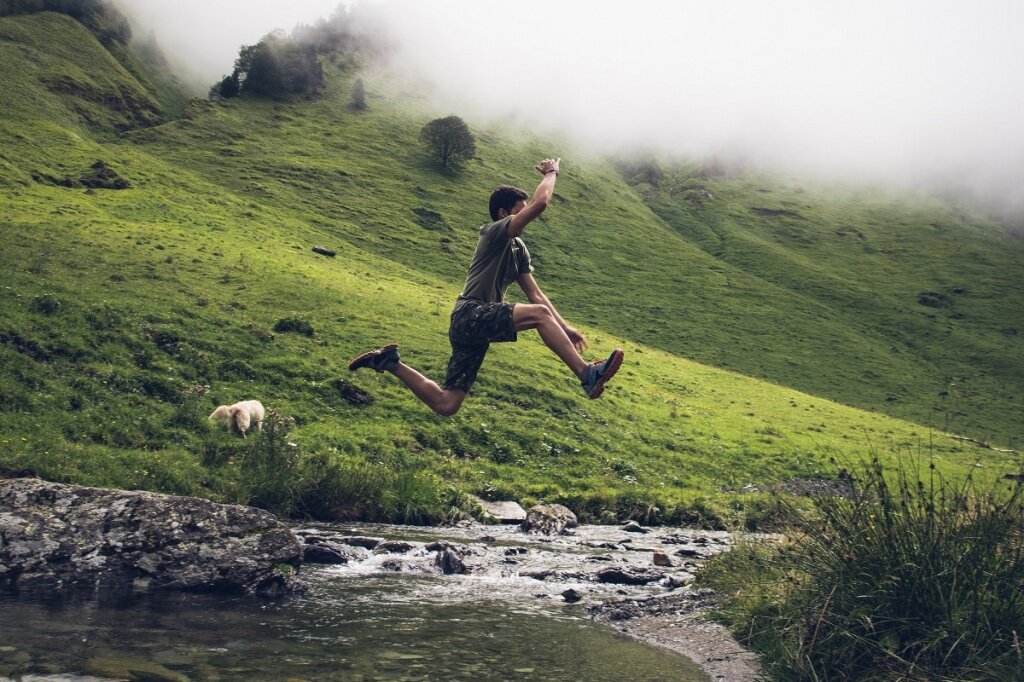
<point>474,327</point>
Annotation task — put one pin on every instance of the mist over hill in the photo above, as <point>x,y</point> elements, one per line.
<point>908,95</point>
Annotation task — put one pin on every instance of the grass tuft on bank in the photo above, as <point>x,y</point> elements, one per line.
<point>912,577</point>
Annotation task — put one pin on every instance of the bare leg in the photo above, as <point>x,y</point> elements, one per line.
<point>539,317</point>
<point>445,402</point>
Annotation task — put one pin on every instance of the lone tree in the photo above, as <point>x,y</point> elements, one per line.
<point>359,95</point>
<point>450,138</point>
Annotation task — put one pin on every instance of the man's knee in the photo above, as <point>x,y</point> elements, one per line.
<point>450,403</point>
<point>528,315</point>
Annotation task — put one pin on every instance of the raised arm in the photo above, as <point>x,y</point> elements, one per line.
<point>541,198</point>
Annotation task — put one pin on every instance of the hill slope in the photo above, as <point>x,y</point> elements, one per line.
<point>119,307</point>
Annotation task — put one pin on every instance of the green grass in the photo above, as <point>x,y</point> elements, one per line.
<point>914,577</point>
<point>118,307</point>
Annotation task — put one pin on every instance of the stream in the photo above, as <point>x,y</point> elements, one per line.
<point>385,616</point>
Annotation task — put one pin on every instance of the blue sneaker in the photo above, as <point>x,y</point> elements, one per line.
<point>380,360</point>
<point>598,373</point>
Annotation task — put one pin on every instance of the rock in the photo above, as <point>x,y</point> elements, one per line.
<point>628,576</point>
<point>114,542</point>
<point>571,596</point>
<point>361,541</point>
<point>331,553</point>
<point>516,550</point>
<point>551,519</point>
<point>114,667</point>
<point>662,559</point>
<point>392,547</point>
<point>634,527</point>
<point>502,511</point>
<point>542,574</point>
<point>323,251</point>
<point>687,552</point>
<point>449,562</point>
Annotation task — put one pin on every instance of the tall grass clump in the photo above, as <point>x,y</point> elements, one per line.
<point>910,578</point>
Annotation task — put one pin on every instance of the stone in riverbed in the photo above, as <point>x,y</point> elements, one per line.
<point>634,527</point>
<point>449,562</point>
<point>392,547</point>
<point>331,553</point>
<point>113,667</point>
<point>627,576</point>
<point>113,542</point>
<point>360,541</point>
<point>551,519</point>
<point>662,559</point>
<point>571,596</point>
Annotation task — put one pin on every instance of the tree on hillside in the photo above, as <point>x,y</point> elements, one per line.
<point>359,94</point>
<point>225,88</point>
<point>450,138</point>
<point>279,67</point>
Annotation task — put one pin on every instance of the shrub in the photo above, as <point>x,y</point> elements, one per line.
<point>916,579</point>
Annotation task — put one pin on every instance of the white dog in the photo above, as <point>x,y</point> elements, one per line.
<point>240,416</point>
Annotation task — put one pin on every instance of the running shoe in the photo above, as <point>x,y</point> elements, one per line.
<point>598,373</point>
<point>380,360</point>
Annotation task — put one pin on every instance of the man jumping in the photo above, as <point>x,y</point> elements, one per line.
<point>481,315</point>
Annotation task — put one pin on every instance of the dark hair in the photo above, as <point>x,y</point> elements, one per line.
<point>505,197</point>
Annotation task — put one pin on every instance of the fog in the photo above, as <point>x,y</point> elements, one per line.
<point>903,92</point>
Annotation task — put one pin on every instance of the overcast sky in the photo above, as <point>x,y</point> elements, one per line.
<point>904,90</point>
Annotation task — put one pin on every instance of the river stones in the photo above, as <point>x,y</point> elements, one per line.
<point>114,542</point>
<point>634,527</point>
<point>550,519</point>
<point>662,559</point>
<point>571,596</point>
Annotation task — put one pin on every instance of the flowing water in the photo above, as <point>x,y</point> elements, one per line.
<point>354,624</point>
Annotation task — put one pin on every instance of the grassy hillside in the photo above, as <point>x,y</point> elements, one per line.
<point>928,298</point>
<point>129,314</point>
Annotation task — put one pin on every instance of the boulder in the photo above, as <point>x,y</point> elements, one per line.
<point>571,596</point>
<point>448,562</point>
<point>115,542</point>
<point>549,519</point>
<point>502,511</point>
<point>662,559</point>
<point>634,527</point>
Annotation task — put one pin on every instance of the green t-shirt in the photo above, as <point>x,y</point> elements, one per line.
<point>498,261</point>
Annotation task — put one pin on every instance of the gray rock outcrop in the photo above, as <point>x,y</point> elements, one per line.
<point>549,519</point>
<point>113,542</point>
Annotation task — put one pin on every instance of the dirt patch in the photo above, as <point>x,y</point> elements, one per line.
<point>430,220</point>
